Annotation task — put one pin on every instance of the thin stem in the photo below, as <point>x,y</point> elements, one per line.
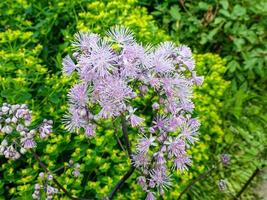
<point>117,137</point>
<point>125,135</point>
<point>58,169</point>
<point>255,173</point>
<point>202,176</point>
<point>121,182</point>
<point>129,151</point>
<point>54,179</point>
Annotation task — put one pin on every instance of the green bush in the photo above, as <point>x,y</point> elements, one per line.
<point>34,37</point>
<point>233,29</point>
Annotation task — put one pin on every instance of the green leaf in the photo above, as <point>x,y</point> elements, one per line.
<point>233,66</point>
<point>203,6</point>
<point>224,4</point>
<point>225,13</point>
<point>238,11</point>
<point>239,42</point>
<point>229,138</point>
<point>174,11</point>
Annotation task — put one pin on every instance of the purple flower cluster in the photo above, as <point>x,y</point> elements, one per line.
<point>45,185</point>
<point>113,71</point>
<point>14,126</point>
<point>75,167</point>
<point>225,159</point>
<point>76,171</point>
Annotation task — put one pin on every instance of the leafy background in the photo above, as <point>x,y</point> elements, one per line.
<point>229,42</point>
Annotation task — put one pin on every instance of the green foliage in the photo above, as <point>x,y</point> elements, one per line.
<point>34,36</point>
<point>234,29</point>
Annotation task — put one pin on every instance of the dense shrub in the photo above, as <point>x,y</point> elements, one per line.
<point>234,29</point>
<point>34,37</point>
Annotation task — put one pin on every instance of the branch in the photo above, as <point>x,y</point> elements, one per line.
<point>202,176</point>
<point>125,135</point>
<point>54,179</point>
<point>117,137</point>
<point>128,148</point>
<point>121,182</point>
<point>255,173</point>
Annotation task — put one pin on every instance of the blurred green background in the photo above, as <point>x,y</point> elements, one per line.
<point>228,38</point>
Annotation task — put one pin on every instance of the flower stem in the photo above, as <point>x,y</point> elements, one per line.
<point>255,173</point>
<point>125,135</point>
<point>129,151</point>
<point>37,158</point>
<point>121,182</point>
<point>202,176</point>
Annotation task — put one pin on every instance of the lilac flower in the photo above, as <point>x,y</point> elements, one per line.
<point>111,94</point>
<point>51,190</point>
<point>225,159</point>
<point>141,160</point>
<point>89,131</point>
<point>175,122</point>
<point>16,117</point>
<point>182,162</point>
<point>165,49</point>
<point>78,95</point>
<point>176,147</point>
<point>85,41</point>
<point>76,173</point>
<point>134,119</point>
<point>46,128</point>
<point>5,109</point>
<point>121,35</point>
<point>143,89</point>
<point>144,143</point>
<point>150,196</point>
<point>7,129</point>
<point>197,79</point>
<point>68,65</point>
<point>160,122</point>
<point>36,194</point>
<point>117,68</point>
<point>102,59</point>
<point>41,175</point>
<point>155,106</point>
<point>75,119</point>
<point>28,143</point>
<point>160,160</point>
<point>160,178</point>
<point>162,65</point>
<point>190,131</point>
<point>184,51</point>
<point>135,61</point>
<point>142,182</point>
<point>11,153</point>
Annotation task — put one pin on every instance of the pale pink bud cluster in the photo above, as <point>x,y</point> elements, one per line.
<point>44,186</point>
<point>15,121</point>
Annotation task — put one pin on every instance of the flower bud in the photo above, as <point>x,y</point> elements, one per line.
<point>50,177</point>
<point>155,106</point>
<point>7,129</point>
<point>23,150</point>
<point>5,109</point>
<point>41,175</point>
<point>4,143</point>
